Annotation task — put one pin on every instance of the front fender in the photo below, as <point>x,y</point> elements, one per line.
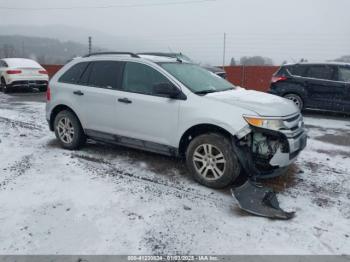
<point>292,89</point>
<point>238,130</point>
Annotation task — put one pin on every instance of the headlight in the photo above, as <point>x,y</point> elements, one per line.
<point>274,124</point>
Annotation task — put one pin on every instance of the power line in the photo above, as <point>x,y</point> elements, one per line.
<point>106,6</point>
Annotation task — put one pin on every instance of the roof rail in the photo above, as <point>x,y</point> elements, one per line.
<point>112,53</point>
<point>171,55</point>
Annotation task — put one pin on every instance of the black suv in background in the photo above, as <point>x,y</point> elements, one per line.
<point>216,70</point>
<point>315,86</point>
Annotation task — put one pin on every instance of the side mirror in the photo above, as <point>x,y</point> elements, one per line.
<point>168,90</point>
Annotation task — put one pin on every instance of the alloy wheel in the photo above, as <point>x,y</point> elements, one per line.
<point>65,130</point>
<point>209,162</point>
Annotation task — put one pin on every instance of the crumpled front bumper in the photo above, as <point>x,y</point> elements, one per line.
<point>295,137</point>
<point>294,140</point>
<point>296,145</point>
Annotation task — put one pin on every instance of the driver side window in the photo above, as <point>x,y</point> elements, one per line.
<point>140,78</point>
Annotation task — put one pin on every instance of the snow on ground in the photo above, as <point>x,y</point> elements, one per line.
<point>112,200</point>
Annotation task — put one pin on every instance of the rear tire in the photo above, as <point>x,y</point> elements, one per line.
<point>69,131</point>
<point>296,99</point>
<point>4,86</point>
<point>211,160</point>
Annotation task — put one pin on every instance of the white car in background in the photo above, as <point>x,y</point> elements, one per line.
<point>20,73</point>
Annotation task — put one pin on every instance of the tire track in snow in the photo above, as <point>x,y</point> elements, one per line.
<point>16,170</point>
<point>173,188</point>
<point>21,124</point>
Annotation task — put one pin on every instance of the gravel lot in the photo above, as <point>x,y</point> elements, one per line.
<point>108,199</point>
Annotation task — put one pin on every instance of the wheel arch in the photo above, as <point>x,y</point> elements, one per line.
<point>295,89</point>
<point>197,130</point>
<point>302,96</point>
<point>56,110</point>
<point>290,92</point>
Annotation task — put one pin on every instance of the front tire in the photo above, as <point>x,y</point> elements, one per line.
<point>211,161</point>
<point>296,99</point>
<point>69,131</point>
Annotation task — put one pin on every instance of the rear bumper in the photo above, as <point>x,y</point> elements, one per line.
<point>28,84</point>
<point>48,114</point>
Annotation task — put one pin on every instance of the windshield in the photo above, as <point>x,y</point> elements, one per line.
<point>196,78</point>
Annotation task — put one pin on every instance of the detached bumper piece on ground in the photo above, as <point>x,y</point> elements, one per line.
<point>260,201</point>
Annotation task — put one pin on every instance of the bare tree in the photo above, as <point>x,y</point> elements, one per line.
<point>345,59</point>
<point>233,62</point>
<point>255,60</point>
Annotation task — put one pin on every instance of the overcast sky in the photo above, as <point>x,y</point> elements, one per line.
<point>283,30</point>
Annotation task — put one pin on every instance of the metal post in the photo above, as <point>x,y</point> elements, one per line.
<point>90,44</point>
<point>224,53</point>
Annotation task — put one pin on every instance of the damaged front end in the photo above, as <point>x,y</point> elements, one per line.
<point>266,153</point>
<point>265,149</point>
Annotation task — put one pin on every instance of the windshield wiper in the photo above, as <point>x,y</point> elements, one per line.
<point>204,92</point>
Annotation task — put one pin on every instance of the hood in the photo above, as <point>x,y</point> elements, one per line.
<point>262,104</point>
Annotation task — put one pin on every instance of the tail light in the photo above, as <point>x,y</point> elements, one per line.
<point>44,72</point>
<point>48,94</point>
<point>276,79</point>
<point>13,72</point>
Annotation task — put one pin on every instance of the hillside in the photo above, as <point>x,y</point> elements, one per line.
<point>44,50</point>
<point>112,40</point>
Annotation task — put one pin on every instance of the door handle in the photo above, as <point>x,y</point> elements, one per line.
<point>124,100</point>
<point>78,93</point>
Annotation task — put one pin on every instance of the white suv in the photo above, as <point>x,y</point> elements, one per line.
<point>172,107</point>
<point>21,73</point>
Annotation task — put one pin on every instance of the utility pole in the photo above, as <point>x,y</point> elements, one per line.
<point>224,52</point>
<point>90,44</point>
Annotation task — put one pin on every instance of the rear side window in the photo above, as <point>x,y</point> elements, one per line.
<point>105,74</point>
<point>297,70</point>
<point>281,71</point>
<point>73,74</point>
<point>321,72</point>
<point>344,74</point>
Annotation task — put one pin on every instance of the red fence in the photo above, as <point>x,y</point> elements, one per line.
<point>250,77</point>
<point>52,69</point>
